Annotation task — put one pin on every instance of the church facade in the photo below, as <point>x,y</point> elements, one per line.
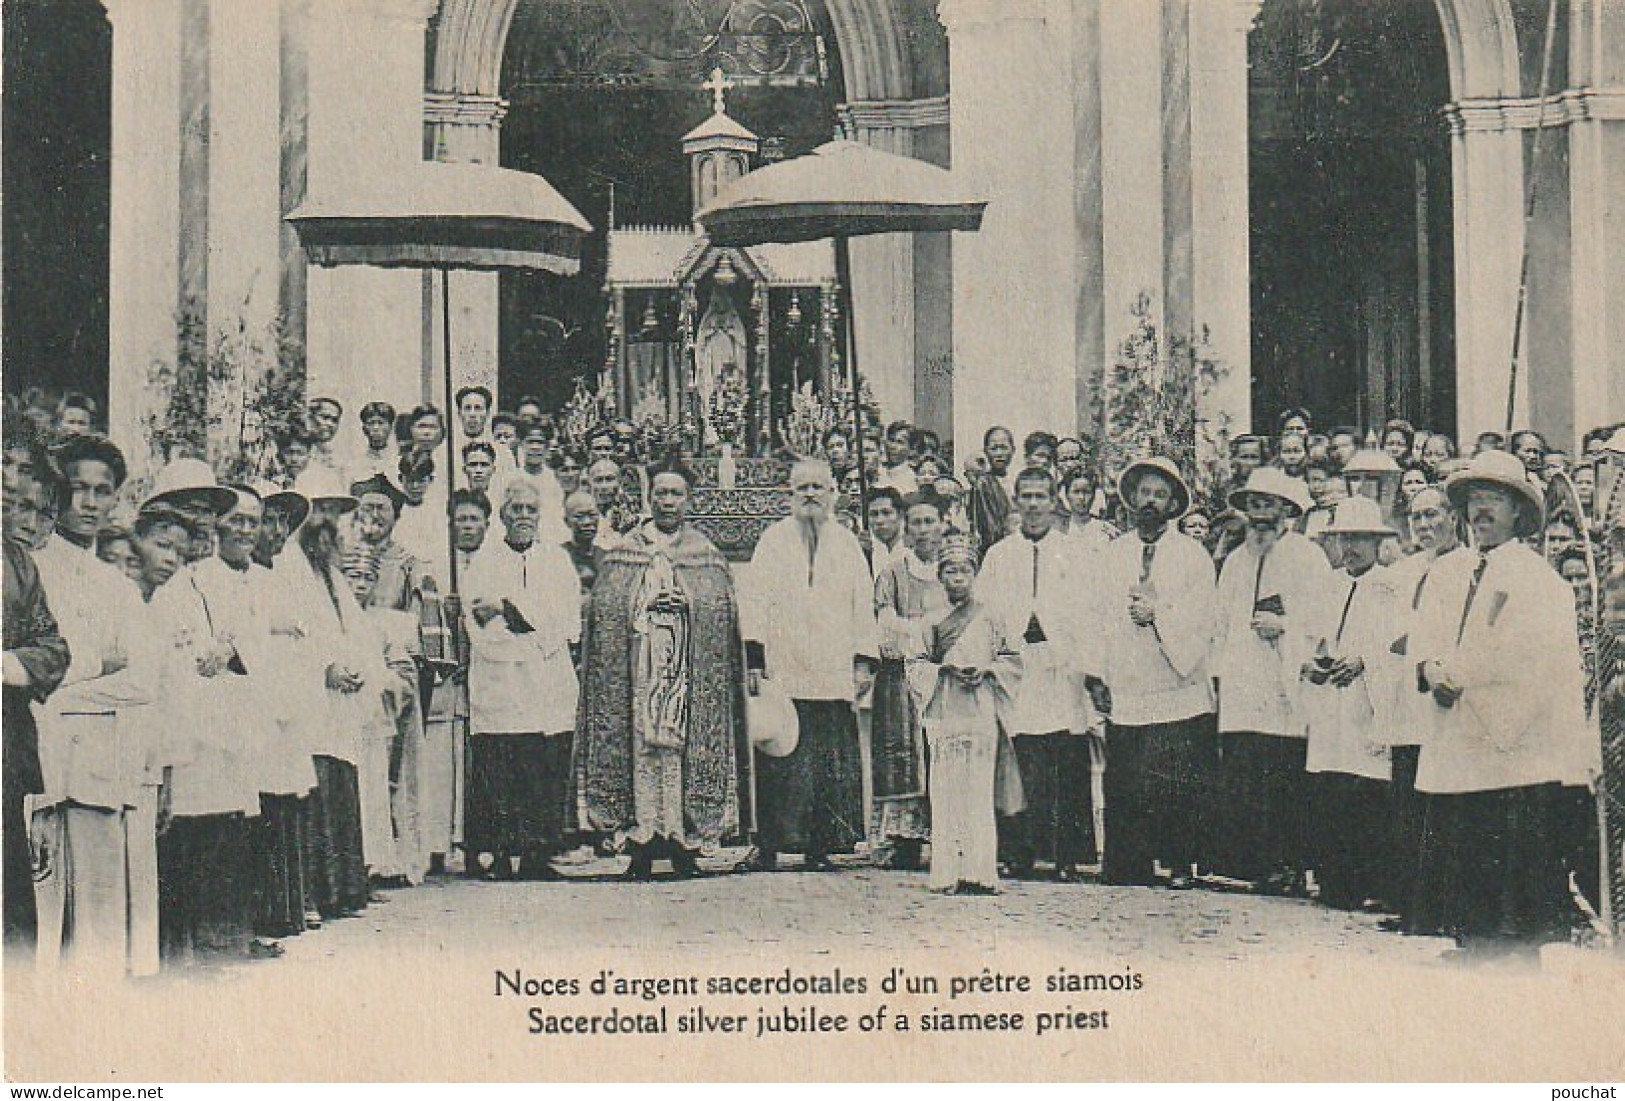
<point>1111,138</point>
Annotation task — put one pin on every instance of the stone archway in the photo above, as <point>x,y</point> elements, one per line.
<point>1486,114</point>
<point>893,100</point>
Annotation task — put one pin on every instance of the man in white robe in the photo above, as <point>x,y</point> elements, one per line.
<point>1036,582</point>
<point>211,714</point>
<point>1269,597</point>
<point>93,752</point>
<point>810,625</point>
<point>1497,651</point>
<point>340,649</point>
<point>1434,531</point>
<point>1156,625</point>
<point>523,600</point>
<point>1348,705</point>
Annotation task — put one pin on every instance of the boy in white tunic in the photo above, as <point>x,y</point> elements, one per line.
<point>963,685</point>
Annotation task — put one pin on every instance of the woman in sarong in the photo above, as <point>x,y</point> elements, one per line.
<point>908,599</point>
<point>660,745</point>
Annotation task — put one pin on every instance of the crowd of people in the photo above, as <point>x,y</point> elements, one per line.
<point>236,711</point>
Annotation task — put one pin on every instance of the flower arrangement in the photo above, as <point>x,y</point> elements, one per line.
<point>726,415</point>
<point>226,396</point>
<point>1152,402</point>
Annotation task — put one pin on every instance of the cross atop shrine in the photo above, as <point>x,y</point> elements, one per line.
<point>718,86</point>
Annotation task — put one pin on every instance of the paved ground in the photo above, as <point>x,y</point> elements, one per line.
<point>858,909</point>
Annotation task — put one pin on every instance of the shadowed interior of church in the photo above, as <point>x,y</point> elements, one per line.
<point>601,95</point>
<point>57,181</point>
<point>1352,301</point>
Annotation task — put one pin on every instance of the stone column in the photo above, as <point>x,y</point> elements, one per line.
<point>365,81</point>
<point>466,127</point>
<point>145,215</point>
<point>1597,204</point>
<point>244,204</point>
<point>1220,211</point>
<point>1012,141</point>
<point>883,266</point>
<point>1132,169</point>
<point>1487,182</point>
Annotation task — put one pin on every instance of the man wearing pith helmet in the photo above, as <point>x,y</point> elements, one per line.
<point>1157,592</point>
<point>1497,652</point>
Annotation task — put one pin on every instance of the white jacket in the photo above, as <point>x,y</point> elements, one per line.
<point>813,618</point>
<point>1159,673</point>
<point>1051,579</point>
<point>1521,717</point>
<point>1258,680</point>
<point>524,683</point>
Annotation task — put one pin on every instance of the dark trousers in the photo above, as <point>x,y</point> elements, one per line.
<point>517,794</point>
<point>21,770</point>
<point>1267,789</point>
<point>812,800</point>
<point>1158,785</point>
<point>1408,812</point>
<point>1058,825</point>
<point>333,854</point>
<point>205,887</point>
<point>1353,838</point>
<point>1492,866</point>
<point>280,880</point>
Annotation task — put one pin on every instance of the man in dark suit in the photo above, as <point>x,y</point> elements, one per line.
<point>35,660</point>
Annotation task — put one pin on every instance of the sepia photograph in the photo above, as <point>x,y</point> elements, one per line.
<point>814,540</point>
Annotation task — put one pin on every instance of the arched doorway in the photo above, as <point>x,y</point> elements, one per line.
<point>1353,245</point>
<point>600,95</point>
<point>887,81</point>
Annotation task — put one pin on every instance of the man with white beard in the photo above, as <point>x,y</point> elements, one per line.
<point>523,600</point>
<point>1269,598</point>
<point>810,625</point>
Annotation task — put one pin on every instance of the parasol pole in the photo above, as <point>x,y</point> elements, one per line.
<point>1530,194</point>
<point>843,290</point>
<point>451,446</point>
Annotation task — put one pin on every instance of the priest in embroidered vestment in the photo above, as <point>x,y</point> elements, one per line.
<point>661,756</point>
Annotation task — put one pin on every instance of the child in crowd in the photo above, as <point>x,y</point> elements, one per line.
<point>962,686</point>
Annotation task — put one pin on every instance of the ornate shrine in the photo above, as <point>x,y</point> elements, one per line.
<point>718,341</point>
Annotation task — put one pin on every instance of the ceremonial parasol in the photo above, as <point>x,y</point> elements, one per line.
<point>841,190</point>
<point>443,216</point>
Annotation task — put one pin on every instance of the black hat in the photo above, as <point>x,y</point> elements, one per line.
<point>380,484</point>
